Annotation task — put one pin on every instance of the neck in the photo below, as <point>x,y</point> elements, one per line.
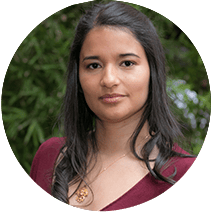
<point>112,138</point>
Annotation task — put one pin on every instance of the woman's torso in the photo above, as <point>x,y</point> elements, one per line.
<point>109,185</point>
<point>124,184</point>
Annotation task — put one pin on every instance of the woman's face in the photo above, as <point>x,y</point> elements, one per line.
<point>114,74</point>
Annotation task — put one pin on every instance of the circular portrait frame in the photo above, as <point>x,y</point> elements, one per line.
<point>20,192</point>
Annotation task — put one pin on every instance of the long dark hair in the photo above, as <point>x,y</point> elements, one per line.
<point>78,118</point>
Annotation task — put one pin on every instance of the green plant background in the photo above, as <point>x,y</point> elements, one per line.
<point>34,84</point>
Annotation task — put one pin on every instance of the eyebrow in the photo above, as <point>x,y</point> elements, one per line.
<point>97,57</point>
<point>128,54</point>
<point>91,58</point>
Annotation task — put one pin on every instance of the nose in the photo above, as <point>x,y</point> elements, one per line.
<point>110,77</point>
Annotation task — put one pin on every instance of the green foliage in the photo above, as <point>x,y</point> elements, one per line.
<point>34,84</point>
<point>192,112</point>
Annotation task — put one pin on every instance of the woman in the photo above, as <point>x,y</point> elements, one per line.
<point>118,149</point>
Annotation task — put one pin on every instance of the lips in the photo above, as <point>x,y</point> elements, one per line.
<point>111,95</point>
<point>112,98</point>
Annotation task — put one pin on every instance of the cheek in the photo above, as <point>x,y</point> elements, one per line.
<point>140,92</point>
<point>89,89</point>
<point>140,89</point>
<point>84,82</point>
<point>140,83</point>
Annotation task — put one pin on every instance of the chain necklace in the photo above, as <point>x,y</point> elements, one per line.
<point>82,193</point>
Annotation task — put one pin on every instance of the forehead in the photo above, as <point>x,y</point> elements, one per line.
<point>110,40</point>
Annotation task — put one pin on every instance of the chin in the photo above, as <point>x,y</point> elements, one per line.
<point>114,118</point>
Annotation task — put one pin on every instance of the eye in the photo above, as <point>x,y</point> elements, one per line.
<point>93,66</point>
<point>127,64</point>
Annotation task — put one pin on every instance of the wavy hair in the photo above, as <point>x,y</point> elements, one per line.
<point>78,118</point>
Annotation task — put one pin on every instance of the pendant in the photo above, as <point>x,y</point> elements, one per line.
<point>81,194</point>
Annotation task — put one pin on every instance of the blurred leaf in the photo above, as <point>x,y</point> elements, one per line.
<point>30,131</point>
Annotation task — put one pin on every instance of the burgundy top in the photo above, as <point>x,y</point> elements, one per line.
<point>146,189</point>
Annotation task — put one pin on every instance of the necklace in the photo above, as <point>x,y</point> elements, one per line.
<point>82,193</point>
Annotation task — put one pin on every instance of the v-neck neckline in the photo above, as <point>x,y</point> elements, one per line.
<point>127,192</point>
